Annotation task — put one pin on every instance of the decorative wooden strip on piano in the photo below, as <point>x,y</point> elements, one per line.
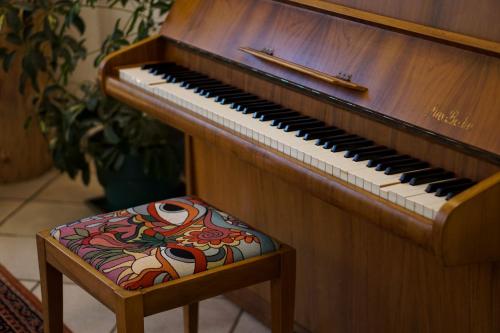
<point>337,80</point>
<point>465,31</point>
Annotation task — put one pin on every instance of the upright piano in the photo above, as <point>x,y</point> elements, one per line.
<point>363,133</point>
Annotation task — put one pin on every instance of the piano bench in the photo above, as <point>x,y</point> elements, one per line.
<point>159,256</point>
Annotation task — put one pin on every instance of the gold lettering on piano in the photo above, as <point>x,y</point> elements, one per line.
<point>451,118</point>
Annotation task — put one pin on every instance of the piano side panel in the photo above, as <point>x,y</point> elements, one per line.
<point>405,142</point>
<point>351,275</point>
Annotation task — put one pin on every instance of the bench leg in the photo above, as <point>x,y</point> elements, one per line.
<point>130,315</point>
<point>52,294</point>
<point>283,295</point>
<point>191,318</point>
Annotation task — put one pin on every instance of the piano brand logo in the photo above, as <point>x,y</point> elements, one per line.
<point>451,118</point>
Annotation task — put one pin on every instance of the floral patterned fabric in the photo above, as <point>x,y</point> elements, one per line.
<point>161,241</point>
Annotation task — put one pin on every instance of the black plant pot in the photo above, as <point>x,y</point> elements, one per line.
<point>130,186</point>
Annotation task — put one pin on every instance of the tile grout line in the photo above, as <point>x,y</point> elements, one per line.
<point>236,321</point>
<point>29,199</point>
<point>34,287</point>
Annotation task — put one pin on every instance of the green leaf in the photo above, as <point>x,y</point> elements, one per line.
<point>52,20</point>
<point>7,60</point>
<point>14,39</point>
<point>110,135</point>
<point>2,20</point>
<point>79,24</point>
<point>13,20</point>
<point>28,121</point>
<point>120,159</point>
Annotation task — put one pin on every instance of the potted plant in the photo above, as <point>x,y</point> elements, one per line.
<point>127,147</point>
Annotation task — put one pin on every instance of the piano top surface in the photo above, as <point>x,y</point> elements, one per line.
<point>434,88</point>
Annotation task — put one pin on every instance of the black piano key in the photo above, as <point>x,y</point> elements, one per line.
<point>445,190</point>
<point>384,165</point>
<point>320,135</point>
<point>419,180</point>
<point>174,78</point>
<point>224,97</point>
<point>282,122</point>
<point>192,84</point>
<point>147,67</point>
<point>277,121</point>
<point>299,126</point>
<point>459,189</point>
<point>407,176</point>
<point>365,156</point>
<point>243,106</point>
<point>180,73</point>
<point>393,157</point>
<point>341,136</point>
<point>352,152</point>
<point>197,79</point>
<point>257,107</point>
<point>202,91</point>
<point>412,166</point>
<point>436,185</point>
<point>268,109</point>
<point>161,70</point>
<point>325,130</point>
<point>303,119</point>
<point>229,99</point>
<point>350,145</point>
<point>222,87</point>
<point>215,94</point>
<point>258,114</point>
<point>275,116</point>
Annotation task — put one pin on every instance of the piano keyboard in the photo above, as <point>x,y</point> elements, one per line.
<point>401,179</point>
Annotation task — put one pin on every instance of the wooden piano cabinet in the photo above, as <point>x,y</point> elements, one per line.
<point>352,276</point>
<point>364,264</point>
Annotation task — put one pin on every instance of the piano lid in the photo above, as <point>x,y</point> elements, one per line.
<point>438,89</point>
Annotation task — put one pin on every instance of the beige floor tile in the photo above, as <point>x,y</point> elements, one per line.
<point>40,215</point>
<point>7,206</point>
<point>82,313</point>
<point>18,255</point>
<point>216,315</point>
<point>67,189</point>
<point>23,190</point>
<point>248,324</point>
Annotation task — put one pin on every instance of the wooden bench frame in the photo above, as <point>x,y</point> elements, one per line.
<point>130,307</point>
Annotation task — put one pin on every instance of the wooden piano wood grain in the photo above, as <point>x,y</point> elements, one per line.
<point>352,276</point>
<point>468,229</point>
<point>432,87</point>
<point>357,201</point>
<point>416,145</point>
<point>364,264</point>
<point>444,19</point>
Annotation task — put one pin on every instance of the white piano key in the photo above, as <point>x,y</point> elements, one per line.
<point>357,173</point>
<point>427,204</point>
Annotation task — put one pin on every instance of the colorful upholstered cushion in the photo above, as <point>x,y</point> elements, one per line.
<point>161,241</point>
